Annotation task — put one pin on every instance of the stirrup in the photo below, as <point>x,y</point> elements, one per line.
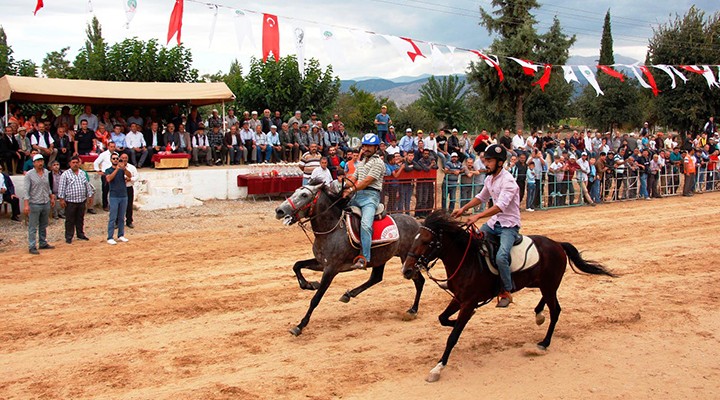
<point>504,299</point>
<point>360,262</point>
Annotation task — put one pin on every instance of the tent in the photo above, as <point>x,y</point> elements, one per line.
<point>71,91</point>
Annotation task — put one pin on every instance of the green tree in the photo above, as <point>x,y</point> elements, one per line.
<point>55,65</point>
<point>358,108</point>
<point>620,104</point>
<point>139,61</point>
<point>26,68</point>
<point>90,62</point>
<point>7,62</point>
<point>445,99</point>
<point>691,39</point>
<point>514,24</point>
<point>415,116</point>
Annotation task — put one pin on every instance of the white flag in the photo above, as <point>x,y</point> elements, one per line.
<point>130,8</point>
<point>332,45</point>
<point>638,76</point>
<point>398,44</point>
<point>243,29</point>
<point>668,71</point>
<point>590,77</point>
<point>212,25</point>
<point>89,6</point>
<point>439,60</point>
<point>709,77</point>
<point>451,58</point>
<point>362,39</point>
<point>679,74</point>
<point>525,64</point>
<point>300,49</point>
<point>569,74</point>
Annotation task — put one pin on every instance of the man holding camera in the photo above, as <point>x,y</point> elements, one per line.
<point>116,177</point>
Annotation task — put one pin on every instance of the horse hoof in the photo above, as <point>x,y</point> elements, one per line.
<point>409,315</point>
<point>541,347</point>
<point>539,319</point>
<point>345,298</point>
<point>296,331</point>
<point>433,377</point>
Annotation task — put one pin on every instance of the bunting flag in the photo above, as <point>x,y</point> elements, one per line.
<point>130,9</point>
<point>610,71</point>
<point>212,25</point>
<point>243,30</point>
<point>362,39</point>
<point>451,59</point>
<point>693,69</point>
<point>491,62</point>
<point>668,71</point>
<point>175,25</point>
<point>333,47</point>
<point>679,74</point>
<point>709,77</point>
<point>651,79</point>
<point>634,69</point>
<point>89,6</point>
<point>300,49</point>
<point>416,50</point>
<point>439,61</point>
<point>38,6</point>
<point>569,74</point>
<point>271,37</point>
<point>528,68</point>
<point>590,77</point>
<point>545,78</point>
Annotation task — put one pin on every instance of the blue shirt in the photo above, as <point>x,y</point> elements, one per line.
<point>383,118</point>
<point>407,144</point>
<point>118,139</point>
<point>117,185</point>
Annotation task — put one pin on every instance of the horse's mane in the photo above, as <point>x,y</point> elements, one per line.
<point>441,221</point>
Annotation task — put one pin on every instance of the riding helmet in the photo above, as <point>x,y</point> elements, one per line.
<point>371,139</point>
<point>497,152</point>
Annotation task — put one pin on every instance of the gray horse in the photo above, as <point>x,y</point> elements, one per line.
<point>323,206</point>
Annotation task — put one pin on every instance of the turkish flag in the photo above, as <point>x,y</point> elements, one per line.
<point>545,79</point>
<point>38,6</point>
<point>610,71</point>
<point>651,80</point>
<point>416,50</point>
<point>491,62</point>
<point>176,21</point>
<point>271,37</point>
<point>692,68</point>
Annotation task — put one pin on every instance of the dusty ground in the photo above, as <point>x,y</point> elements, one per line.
<point>198,306</point>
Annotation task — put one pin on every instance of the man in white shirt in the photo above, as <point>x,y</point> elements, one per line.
<point>248,139</point>
<point>431,143</point>
<point>42,141</point>
<point>264,149</point>
<point>582,176</point>
<point>670,142</point>
<point>101,164</point>
<point>392,148</point>
<point>530,142</point>
<point>135,142</point>
<point>130,187</point>
<point>322,173</point>
<point>518,142</point>
<point>201,147</point>
<point>88,116</point>
<point>273,138</point>
<point>587,139</point>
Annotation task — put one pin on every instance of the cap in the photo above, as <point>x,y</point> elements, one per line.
<point>392,127</point>
<point>539,131</point>
<point>583,154</point>
<point>313,114</point>
<point>454,154</point>
<point>454,130</point>
<point>562,142</point>
<point>214,110</point>
<point>329,125</point>
<point>38,157</point>
<point>419,132</point>
<point>22,128</point>
<point>465,132</point>
<point>273,127</point>
<point>254,113</point>
<point>572,156</point>
<point>298,112</point>
<point>383,106</point>
<point>408,130</point>
<point>246,122</point>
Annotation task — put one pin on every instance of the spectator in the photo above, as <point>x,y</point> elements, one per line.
<point>336,123</point>
<point>407,143</point>
<point>264,148</point>
<point>118,119</point>
<point>92,119</point>
<point>116,176</point>
<point>344,139</point>
<point>350,159</point>
<point>582,174</point>
<point>215,120</point>
<point>248,139</point>
<point>382,122</point>
<point>453,144</point>
<point>406,186</point>
<point>530,143</point>
<point>482,141</point>
<point>530,186</point>
<point>65,118</point>
<point>194,120</point>
<point>392,148</point>
<point>594,181</point>
<point>643,163</point>
<point>9,196</point>
<point>130,188</point>
<point>85,141</point>
<point>689,168</point>
<point>654,169</point>
<point>425,193</point>
<point>322,173</point>
<point>265,121</point>
<point>55,173</point>
<point>334,162</point>
<point>312,121</point>
<point>253,123</point>
<point>136,145</point>
<point>201,148</point>
<point>416,140</point>
<point>38,201</point>
<point>230,119</point>
<point>135,119</point>
<point>331,136</point>
<point>453,169</point>
<point>555,178</point>
<point>540,167</point>
<point>217,144</point>
<point>505,141</point>
<point>102,137</point>
<point>518,144</point>
<point>467,179</point>
<point>465,145</point>
<point>519,172</point>
<point>10,152</point>
<point>309,161</point>
<point>43,143</point>
<point>391,188</point>
<point>273,139</point>
<point>442,146</point>
<point>101,164</point>
<point>234,146</point>
<point>431,143</point>
<point>28,165</point>
<point>74,193</point>
<point>118,137</point>
<point>185,142</point>
<point>105,121</point>
<point>277,119</point>
<point>296,119</point>
<point>621,189</point>
<point>391,133</point>
<point>154,139</point>
<point>288,143</point>
<point>317,138</point>
<point>710,127</point>
<point>176,118</point>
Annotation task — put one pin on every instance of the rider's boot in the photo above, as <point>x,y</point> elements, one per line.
<point>359,263</point>
<point>504,299</point>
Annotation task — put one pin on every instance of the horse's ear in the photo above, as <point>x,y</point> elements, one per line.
<point>315,181</point>
<point>334,188</point>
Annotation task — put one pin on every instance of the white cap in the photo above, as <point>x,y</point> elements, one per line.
<point>408,130</point>
<point>454,130</point>
<point>298,112</point>
<point>464,132</point>
<point>392,127</point>
<point>38,157</point>
<point>273,127</point>
<point>214,110</point>
<point>254,113</point>
<point>572,156</point>
<point>454,154</point>
<point>330,125</point>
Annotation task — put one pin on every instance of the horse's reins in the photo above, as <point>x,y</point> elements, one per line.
<point>311,206</point>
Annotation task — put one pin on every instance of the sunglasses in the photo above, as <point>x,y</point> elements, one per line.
<point>114,158</point>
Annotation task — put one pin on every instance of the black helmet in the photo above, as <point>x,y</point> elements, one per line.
<point>497,152</point>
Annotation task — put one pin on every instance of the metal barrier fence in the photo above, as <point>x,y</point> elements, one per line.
<point>411,193</point>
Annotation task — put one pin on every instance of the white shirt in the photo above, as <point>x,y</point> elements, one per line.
<point>556,170</point>
<point>518,142</point>
<point>2,183</point>
<point>588,143</point>
<point>41,141</point>
<point>319,172</point>
<point>134,140</point>
<point>670,144</point>
<point>530,143</point>
<point>247,135</point>
<point>392,149</point>
<point>103,161</point>
<point>430,144</point>
<point>133,175</point>
<point>201,140</point>
<point>582,173</point>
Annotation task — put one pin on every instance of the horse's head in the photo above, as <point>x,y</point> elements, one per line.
<point>425,249</point>
<point>301,203</point>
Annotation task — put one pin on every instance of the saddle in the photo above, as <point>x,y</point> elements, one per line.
<point>523,255</point>
<point>385,230</point>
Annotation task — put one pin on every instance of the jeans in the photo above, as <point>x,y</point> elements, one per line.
<point>643,186</point>
<point>368,201</point>
<point>118,208</point>
<point>530,195</point>
<point>268,154</point>
<point>39,215</point>
<point>502,258</point>
<point>406,192</point>
<point>595,191</point>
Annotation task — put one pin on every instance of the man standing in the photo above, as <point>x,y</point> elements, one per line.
<point>38,201</point>
<point>75,192</point>
<point>382,122</point>
<point>116,176</point>
<point>689,164</point>
<point>84,139</point>
<point>102,163</point>
<point>136,145</point>
<point>504,215</point>
<point>130,188</point>
<point>453,169</point>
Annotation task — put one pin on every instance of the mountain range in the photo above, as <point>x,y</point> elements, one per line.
<point>404,90</point>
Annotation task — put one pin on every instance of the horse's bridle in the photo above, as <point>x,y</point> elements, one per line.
<point>310,205</point>
<point>422,261</point>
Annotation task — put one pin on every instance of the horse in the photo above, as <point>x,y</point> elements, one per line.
<point>471,282</point>
<point>323,206</point>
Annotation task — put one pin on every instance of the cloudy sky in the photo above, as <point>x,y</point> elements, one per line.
<point>450,22</point>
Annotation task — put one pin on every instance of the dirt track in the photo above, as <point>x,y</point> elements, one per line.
<point>199,303</point>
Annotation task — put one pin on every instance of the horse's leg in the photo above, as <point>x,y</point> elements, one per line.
<point>554,307</point>
<point>376,276</point>
<point>327,277</point>
<point>311,264</point>
<point>451,309</point>
<point>539,317</point>
<point>463,317</point>
<point>419,282</point>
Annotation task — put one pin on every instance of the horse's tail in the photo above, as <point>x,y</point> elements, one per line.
<point>587,266</point>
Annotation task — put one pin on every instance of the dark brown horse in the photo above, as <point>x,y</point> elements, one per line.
<point>471,282</point>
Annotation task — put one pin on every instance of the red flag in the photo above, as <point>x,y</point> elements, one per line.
<point>528,67</point>
<point>692,68</point>
<point>38,6</point>
<point>271,37</point>
<point>610,71</point>
<point>416,50</point>
<point>545,78</point>
<point>176,21</point>
<point>650,79</point>
<point>491,62</point>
